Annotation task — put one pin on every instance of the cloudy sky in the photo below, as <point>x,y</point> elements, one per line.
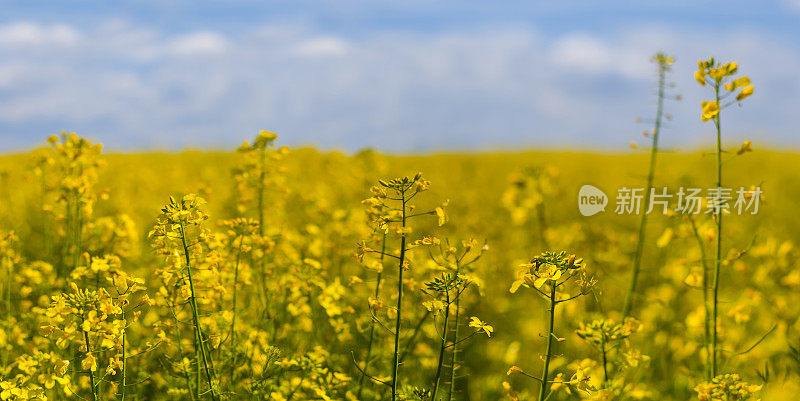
<point>396,75</point>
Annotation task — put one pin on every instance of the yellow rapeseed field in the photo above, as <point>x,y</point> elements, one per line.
<point>267,273</point>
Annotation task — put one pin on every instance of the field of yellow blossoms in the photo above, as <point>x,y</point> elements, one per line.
<point>267,273</point>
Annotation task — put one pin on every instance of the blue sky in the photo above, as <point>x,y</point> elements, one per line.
<point>393,75</point>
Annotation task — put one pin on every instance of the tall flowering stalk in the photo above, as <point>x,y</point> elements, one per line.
<point>179,230</point>
<point>389,211</point>
<point>704,286</point>
<point>548,274</point>
<point>719,78</point>
<point>116,291</point>
<point>374,303</point>
<point>97,322</point>
<point>8,258</point>
<point>526,195</point>
<point>257,175</point>
<point>240,233</point>
<point>257,172</point>
<point>446,291</point>
<point>77,162</point>
<point>664,64</point>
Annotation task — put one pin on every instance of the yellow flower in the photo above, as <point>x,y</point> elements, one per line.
<point>89,363</point>
<point>550,272</point>
<point>694,279</point>
<point>558,383</point>
<point>662,58</point>
<point>718,73</point>
<point>266,135</point>
<point>700,76</point>
<point>745,93</point>
<point>244,147</point>
<point>441,214</point>
<point>512,395</point>
<point>514,369</point>
<point>516,284</point>
<point>580,380</point>
<point>61,367</point>
<point>481,326</point>
<point>710,110</point>
<point>726,387</point>
<point>665,238</point>
<point>738,83</point>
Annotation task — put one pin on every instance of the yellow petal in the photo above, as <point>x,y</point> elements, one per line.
<point>700,77</point>
<point>89,363</point>
<point>515,285</point>
<point>738,83</point>
<point>745,93</point>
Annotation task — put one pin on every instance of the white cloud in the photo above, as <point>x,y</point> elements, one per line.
<point>134,85</point>
<point>32,34</point>
<point>11,74</point>
<point>322,47</point>
<point>793,5</point>
<point>592,55</point>
<point>583,52</point>
<point>198,43</point>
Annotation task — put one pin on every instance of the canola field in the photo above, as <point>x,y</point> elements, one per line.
<point>267,273</point>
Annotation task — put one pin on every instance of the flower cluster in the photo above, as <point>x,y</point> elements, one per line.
<point>551,270</point>
<point>526,193</point>
<point>179,225</point>
<point>725,388</point>
<point>94,322</point>
<point>258,171</point>
<point>388,208</point>
<point>30,377</point>
<point>719,76</point>
<point>605,331</point>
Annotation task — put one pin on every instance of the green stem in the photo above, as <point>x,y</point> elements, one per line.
<point>396,359</point>
<point>45,218</point>
<point>89,371</point>
<point>443,343</point>
<point>455,346</point>
<point>718,257</point>
<point>178,341</point>
<point>262,176</point>
<point>196,317</point>
<point>7,354</point>
<point>637,260</point>
<point>124,358</point>
<point>233,319</point>
<point>197,372</point>
<point>78,234</point>
<point>706,323</point>
<point>372,323</point>
<point>294,391</point>
<point>605,357</point>
<point>548,350</point>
